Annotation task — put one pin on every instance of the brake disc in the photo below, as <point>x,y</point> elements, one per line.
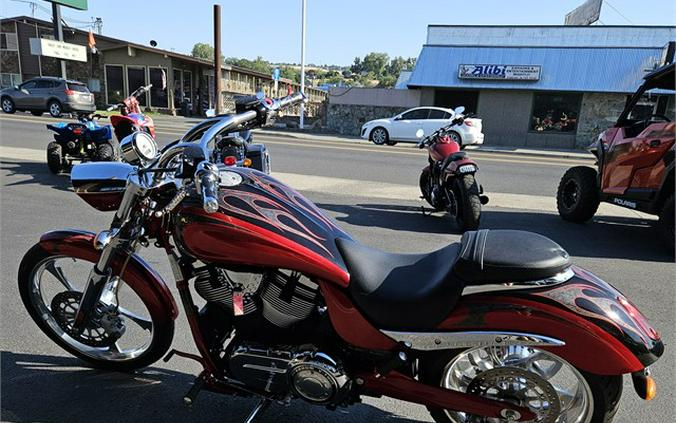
<point>521,388</point>
<point>104,328</point>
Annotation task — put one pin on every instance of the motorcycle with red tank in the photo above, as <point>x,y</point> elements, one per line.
<point>131,118</point>
<point>500,326</point>
<point>449,181</point>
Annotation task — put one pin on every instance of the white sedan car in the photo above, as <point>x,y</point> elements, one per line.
<point>403,127</point>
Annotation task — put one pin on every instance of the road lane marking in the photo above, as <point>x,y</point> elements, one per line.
<point>373,189</point>
<point>359,146</point>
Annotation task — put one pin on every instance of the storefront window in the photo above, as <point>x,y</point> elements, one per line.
<point>187,85</point>
<point>555,112</point>
<point>114,84</point>
<point>158,92</point>
<point>136,78</point>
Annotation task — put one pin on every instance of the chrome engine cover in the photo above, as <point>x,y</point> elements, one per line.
<point>310,375</point>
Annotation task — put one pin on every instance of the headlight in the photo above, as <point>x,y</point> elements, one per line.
<point>138,147</point>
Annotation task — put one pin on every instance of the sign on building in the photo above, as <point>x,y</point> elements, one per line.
<point>500,72</point>
<point>585,14</point>
<point>75,4</point>
<point>58,49</point>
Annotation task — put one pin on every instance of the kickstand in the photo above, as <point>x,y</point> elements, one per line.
<point>259,408</point>
<point>424,211</point>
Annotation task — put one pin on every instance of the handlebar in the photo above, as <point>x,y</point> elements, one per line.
<point>206,182</point>
<point>456,121</point>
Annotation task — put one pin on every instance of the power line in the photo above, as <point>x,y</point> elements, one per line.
<point>618,12</point>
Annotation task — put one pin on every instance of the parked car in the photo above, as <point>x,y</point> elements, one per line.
<point>48,94</point>
<point>634,163</point>
<point>403,127</point>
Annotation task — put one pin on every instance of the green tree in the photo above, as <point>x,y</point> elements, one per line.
<point>290,73</point>
<point>376,62</point>
<point>357,67</point>
<point>203,51</point>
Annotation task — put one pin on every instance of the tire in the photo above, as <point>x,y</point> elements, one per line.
<point>379,136</point>
<point>666,223</point>
<point>424,184</point>
<point>55,109</point>
<point>457,138</point>
<point>605,390</point>
<point>577,197</point>
<point>161,338</point>
<point>54,157</point>
<point>466,191</point>
<point>107,151</point>
<point>36,113</point>
<point>8,105</point>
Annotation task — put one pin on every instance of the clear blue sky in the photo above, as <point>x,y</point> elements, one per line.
<point>337,30</point>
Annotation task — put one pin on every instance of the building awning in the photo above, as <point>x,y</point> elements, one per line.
<point>599,69</point>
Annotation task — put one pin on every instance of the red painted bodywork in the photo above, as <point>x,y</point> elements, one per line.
<point>132,120</point>
<point>102,201</point>
<point>443,148</point>
<point>138,274</point>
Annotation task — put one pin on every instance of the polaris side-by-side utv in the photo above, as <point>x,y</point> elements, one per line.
<point>635,161</point>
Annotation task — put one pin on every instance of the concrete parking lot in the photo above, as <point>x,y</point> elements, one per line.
<point>372,192</point>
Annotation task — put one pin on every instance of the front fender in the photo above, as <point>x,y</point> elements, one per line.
<point>603,332</point>
<point>138,274</point>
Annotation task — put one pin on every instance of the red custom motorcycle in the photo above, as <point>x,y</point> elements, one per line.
<point>498,327</point>
<point>449,181</point>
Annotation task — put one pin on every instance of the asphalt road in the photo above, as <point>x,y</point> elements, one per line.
<point>371,191</point>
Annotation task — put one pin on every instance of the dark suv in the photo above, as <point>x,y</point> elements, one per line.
<point>48,94</point>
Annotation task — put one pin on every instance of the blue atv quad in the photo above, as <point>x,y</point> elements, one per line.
<point>84,140</point>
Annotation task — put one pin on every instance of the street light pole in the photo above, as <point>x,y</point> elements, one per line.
<point>302,63</point>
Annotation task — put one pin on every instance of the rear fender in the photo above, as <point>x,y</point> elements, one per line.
<point>458,167</point>
<point>603,332</point>
<point>138,274</point>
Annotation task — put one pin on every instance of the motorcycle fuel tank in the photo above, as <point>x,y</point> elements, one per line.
<point>262,223</point>
<point>442,149</point>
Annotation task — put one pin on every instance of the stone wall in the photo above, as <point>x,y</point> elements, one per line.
<point>598,112</point>
<point>347,119</point>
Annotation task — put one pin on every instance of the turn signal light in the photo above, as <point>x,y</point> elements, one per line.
<point>651,388</point>
<point>230,160</point>
<point>644,384</point>
<point>468,122</point>
<point>247,162</point>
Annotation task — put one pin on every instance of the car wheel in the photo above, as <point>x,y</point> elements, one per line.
<point>54,108</point>
<point>379,136</point>
<point>577,198</point>
<point>666,223</point>
<point>36,113</point>
<point>457,138</point>
<point>8,105</point>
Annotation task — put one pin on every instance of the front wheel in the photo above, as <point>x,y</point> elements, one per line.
<point>55,108</point>
<point>464,203</point>
<point>577,197</point>
<point>380,136</point>
<point>54,157</point>
<point>8,105</point>
<point>123,335</point>
<point>553,389</point>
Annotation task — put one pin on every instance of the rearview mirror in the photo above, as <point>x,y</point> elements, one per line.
<point>210,113</point>
<point>459,110</point>
<point>16,87</point>
<point>398,117</point>
<point>419,133</point>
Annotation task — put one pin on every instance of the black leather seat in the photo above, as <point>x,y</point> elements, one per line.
<point>417,291</point>
<point>508,256</point>
<point>402,291</point>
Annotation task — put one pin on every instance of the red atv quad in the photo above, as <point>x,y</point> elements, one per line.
<point>635,160</point>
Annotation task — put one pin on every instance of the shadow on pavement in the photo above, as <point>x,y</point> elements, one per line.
<point>605,236</point>
<point>49,388</point>
<point>38,173</point>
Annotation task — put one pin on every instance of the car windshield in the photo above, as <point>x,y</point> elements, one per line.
<point>78,87</point>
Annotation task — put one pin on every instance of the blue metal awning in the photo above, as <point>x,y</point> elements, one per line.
<point>615,70</point>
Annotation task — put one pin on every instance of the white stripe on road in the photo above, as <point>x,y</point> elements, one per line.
<point>373,189</point>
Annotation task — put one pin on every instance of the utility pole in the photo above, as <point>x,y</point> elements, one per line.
<point>302,64</point>
<point>98,23</point>
<point>217,58</point>
<point>58,33</point>
<point>33,7</point>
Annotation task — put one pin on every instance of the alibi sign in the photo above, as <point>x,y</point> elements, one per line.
<point>58,49</point>
<point>504,72</point>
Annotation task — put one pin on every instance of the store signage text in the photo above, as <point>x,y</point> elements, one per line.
<point>58,49</point>
<point>505,72</point>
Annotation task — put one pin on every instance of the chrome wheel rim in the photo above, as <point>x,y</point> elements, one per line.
<point>528,377</point>
<point>57,275</point>
<point>55,109</point>
<point>379,136</point>
<point>6,105</point>
<point>455,137</point>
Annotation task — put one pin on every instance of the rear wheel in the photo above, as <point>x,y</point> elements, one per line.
<point>54,157</point>
<point>124,333</point>
<point>464,203</point>
<point>577,198</point>
<point>666,223</point>
<point>8,105</point>
<point>457,138</point>
<point>107,151</point>
<point>55,108</point>
<point>549,386</point>
<point>380,136</point>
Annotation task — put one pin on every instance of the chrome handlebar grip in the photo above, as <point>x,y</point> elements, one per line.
<point>206,182</point>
